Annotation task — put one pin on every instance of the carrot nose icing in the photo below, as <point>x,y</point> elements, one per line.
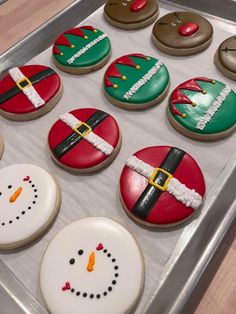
<point>91,262</point>
<point>15,195</point>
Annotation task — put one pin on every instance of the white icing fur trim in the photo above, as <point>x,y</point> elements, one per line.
<point>92,138</point>
<point>30,92</point>
<point>86,48</point>
<point>213,108</point>
<point>147,77</point>
<point>188,197</point>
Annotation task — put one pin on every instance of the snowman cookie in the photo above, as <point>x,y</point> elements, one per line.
<point>29,92</point>
<point>203,108</point>
<point>136,81</point>
<point>182,33</point>
<point>30,199</point>
<point>81,50</point>
<point>158,188</point>
<point>84,140</point>
<point>93,265</point>
<point>1,146</point>
<point>131,14</point>
<point>225,58</point>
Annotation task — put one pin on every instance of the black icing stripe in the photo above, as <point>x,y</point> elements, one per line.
<point>150,195</point>
<point>73,139</point>
<point>33,79</point>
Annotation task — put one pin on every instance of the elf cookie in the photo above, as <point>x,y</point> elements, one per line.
<point>202,108</point>
<point>225,58</point>
<point>131,14</point>
<point>84,140</point>
<point>136,81</point>
<point>93,265</point>
<point>158,187</point>
<point>29,201</point>
<point>182,33</point>
<point>29,92</point>
<point>1,146</point>
<point>81,50</point>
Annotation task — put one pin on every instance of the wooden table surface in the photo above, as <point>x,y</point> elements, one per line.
<point>216,293</point>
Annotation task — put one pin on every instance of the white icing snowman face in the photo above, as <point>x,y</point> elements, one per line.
<point>28,198</point>
<point>93,265</point>
<point>89,265</point>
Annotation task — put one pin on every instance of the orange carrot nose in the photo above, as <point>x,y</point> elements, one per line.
<point>15,195</point>
<point>91,262</point>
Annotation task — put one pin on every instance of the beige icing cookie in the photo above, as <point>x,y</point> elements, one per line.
<point>1,146</point>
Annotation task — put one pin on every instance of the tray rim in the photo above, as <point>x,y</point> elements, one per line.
<point>15,290</point>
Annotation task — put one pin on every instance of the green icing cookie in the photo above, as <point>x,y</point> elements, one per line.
<point>81,47</point>
<point>136,80</point>
<point>203,106</point>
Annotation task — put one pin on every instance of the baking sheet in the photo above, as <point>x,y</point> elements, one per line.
<point>97,195</point>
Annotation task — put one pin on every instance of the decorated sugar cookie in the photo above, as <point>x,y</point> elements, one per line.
<point>158,188</point>
<point>1,146</point>
<point>182,33</point>
<point>81,50</point>
<point>93,265</point>
<point>29,92</point>
<point>225,57</point>
<point>84,140</point>
<point>29,201</point>
<point>131,14</point>
<point>203,108</point>
<point>136,81</point>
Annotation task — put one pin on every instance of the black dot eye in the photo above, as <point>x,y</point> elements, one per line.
<point>72,261</point>
<point>80,252</point>
<point>9,186</point>
<point>0,193</point>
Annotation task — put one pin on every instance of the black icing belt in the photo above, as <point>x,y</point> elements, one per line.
<point>151,194</point>
<point>74,138</point>
<point>33,79</point>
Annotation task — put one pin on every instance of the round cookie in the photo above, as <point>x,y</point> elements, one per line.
<point>93,265</point>
<point>182,33</point>
<point>29,92</point>
<point>203,109</point>
<point>81,50</point>
<point>30,199</point>
<point>84,140</point>
<point>225,58</point>
<point>136,81</point>
<point>1,146</point>
<point>131,14</point>
<point>158,188</point>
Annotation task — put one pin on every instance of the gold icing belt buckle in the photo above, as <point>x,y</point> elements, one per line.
<point>158,186</point>
<point>24,79</point>
<point>87,130</point>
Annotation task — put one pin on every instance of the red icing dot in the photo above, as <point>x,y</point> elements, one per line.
<point>26,178</point>
<point>188,29</point>
<point>66,286</point>
<point>99,247</point>
<point>138,5</point>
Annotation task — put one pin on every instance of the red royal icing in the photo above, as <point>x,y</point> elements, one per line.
<point>188,29</point>
<point>138,5</point>
<point>99,247</point>
<point>62,41</point>
<point>167,209</point>
<point>66,286</point>
<point>26,178</point>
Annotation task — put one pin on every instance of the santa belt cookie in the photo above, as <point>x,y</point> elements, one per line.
<point>83,130</point>
<point>160,180</point>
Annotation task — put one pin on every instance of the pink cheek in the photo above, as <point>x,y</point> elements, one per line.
<point>188,29</point>
<point>138,5</point>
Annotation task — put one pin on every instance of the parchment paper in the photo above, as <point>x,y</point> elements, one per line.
<point>97,194</point>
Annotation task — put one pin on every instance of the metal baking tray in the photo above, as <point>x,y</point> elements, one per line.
<point>186,250</point>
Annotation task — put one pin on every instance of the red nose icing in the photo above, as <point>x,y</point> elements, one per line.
<point>188,29</point>
<point>138,5</point>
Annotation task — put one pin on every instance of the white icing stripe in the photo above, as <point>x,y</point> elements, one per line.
<point>182,193</point>
<point>133,90</point>
<point>29,91</point>
<point>91,137</point>
<point>86,48</point>
<point>208,115</point>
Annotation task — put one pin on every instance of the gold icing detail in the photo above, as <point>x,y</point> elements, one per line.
<point>115,86</point>
<point>183,115</point>
<point>124,78</point>
<point>85,37</point>
<point>138,67</point>
<point>72,46</point>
